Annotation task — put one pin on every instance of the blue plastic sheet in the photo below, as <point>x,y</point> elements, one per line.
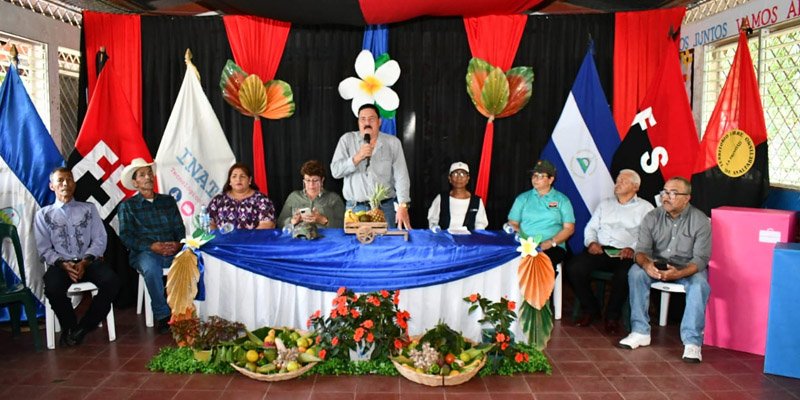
<point>337,259</point>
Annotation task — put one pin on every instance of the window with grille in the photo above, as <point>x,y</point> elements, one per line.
<point>32,70</point>
<point>776,57</point>
<point>69,62</point>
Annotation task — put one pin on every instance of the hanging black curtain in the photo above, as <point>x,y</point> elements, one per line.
<point>437,122</point>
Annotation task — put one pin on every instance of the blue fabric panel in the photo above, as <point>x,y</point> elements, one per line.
<point>783,343</point>
<point>376,40</point>
<point>338,259</point>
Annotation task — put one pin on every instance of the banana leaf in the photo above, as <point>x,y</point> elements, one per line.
<point>536,324</point>
<point>280,100</point>
<point>520,86</point>
<point>495,92</point>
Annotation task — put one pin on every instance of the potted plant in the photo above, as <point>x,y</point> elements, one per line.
<point>369,326</point>
<point>202,336</point>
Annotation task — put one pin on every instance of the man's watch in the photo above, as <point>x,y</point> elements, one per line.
<point>553,242</point>
<point>403,205</point>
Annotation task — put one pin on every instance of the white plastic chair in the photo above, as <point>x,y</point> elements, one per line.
<point>558,292</point>
<point>75,292</point>
<point>143,299</point>
<point>666,289</point>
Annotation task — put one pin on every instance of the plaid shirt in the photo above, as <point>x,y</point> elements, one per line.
<point>142,223</point>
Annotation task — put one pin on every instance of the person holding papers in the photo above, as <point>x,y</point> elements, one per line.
<point>463,209</point>
<point>544,213</point>
<point>609,237</point>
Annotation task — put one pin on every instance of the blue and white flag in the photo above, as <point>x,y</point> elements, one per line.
<point>194,156</point>
<point>27,155</point>
<point>582,146</point>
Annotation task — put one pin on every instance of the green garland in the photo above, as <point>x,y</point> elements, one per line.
<point>181,360</point>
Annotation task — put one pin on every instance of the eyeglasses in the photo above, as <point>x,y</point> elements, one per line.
<point>539,175</point>
<point>671,193</point>
<point>459,174</point>
<point>312,181</point>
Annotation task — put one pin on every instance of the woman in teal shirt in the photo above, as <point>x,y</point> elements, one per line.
<point>544,213</point>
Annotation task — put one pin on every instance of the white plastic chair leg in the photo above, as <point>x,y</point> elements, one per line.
<point>662,316</point>
<point>143,299</point>
<point>557,291</point>
<point>52,324</point>
<point>140,295</point>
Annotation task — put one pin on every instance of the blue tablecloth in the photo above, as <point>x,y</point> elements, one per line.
<point>337,259</point>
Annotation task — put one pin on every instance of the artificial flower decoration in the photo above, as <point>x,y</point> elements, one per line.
<point>496,94</point>
<point>251,97</point>
<point>372,85</point>
<point>184,275</point>
<point>528,247</point>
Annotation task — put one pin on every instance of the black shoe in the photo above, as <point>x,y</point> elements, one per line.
<point>163,326</point>
<point>78,335</point>
<point>585,320</point>
<point>67,339</point>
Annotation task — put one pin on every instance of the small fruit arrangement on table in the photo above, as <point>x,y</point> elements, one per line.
<point>282,354</point>
<point>441,357</point>
<point>366,225</point>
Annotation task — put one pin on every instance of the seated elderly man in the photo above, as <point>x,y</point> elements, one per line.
<point>71,239</point>
<point>610,237</point>
<point>674,246</point>
<point>458,207</point>
<point>151,227</point>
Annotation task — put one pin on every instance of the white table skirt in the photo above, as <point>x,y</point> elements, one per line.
<point>256,301</point>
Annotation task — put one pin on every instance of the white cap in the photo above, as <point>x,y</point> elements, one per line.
<point>458,165</point>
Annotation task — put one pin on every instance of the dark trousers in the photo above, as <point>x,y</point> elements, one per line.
<point>56,283</point>
<point>579,272</point>
<point>556,254</point>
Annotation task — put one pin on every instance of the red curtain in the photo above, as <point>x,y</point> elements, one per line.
<point>639,38</point>
<point>494,38</point>
<point>121,35</point>
<point>257,45</point>
<point>384,12</point>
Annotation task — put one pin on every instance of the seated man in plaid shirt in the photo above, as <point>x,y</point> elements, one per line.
<point>151,227</point>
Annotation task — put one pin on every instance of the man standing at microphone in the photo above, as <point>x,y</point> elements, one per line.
<point>367,157</point>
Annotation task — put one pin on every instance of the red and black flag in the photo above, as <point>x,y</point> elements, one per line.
<point>662,141</point>
<point>732,169</point>
<point>109,139</point>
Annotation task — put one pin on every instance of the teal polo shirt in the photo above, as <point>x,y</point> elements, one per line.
<point>542,216</point>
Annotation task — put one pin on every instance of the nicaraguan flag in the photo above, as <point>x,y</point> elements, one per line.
<point>194,155</point>
<point>27,155</point>
<point>582,146</point>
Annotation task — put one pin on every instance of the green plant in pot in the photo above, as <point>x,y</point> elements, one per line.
<point>202,336</point>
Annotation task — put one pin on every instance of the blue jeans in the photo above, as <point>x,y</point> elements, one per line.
<point>151,266</point>
<point>694,317</point>
<point>387,207</point>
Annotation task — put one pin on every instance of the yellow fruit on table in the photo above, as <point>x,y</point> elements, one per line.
<point>311,351</point>
<point>295,336</point>
<point>464,356</point>
<point>292,366</point>
<point>252,367</point>
<point>252,356</point>
<point>301,349</point>
<point>454,372</point>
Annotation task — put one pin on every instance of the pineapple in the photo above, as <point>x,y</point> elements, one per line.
<point>378,195</point>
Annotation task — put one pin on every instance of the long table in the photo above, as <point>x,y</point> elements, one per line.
<point>266,278</point>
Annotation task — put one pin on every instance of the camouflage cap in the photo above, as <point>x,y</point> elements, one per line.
<point>305,230</point>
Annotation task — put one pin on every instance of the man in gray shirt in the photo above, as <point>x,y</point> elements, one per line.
<point>367,157</point>
<point>674,246</point>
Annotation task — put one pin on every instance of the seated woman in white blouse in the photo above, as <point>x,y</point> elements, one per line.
<point>463,209</point>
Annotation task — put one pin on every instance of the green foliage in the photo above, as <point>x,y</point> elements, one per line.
<point>537,324</point>
<point>180,360</point>
<point>444,339</point>
<point>204,335</point>
<point>336,366</point>
<point>537,362</point>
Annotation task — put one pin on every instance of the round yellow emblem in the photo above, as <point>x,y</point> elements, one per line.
<point>736,153</point>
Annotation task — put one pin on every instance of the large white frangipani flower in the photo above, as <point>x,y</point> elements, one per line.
<point>528,247</point>
<point>373,85</point>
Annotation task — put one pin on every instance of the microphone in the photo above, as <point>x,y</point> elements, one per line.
<point>367,138</point>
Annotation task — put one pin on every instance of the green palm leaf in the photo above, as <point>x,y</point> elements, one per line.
<point>495,92</point>
<point>520,86</point>
<point>537,324</point>
<point>230,82</point>
<point>477,72</point>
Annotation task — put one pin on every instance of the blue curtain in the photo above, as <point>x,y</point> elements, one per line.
<point>376,40</point>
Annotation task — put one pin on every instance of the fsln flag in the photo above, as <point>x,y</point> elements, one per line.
<point>109,139</point>
<point>732,169</point>
<point>27,155</point>
<point>194,155</point>
<point>662,141</point>
<point>582,146</point>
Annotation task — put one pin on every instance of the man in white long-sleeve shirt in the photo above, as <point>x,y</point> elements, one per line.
<point>365,163</point>
<point>610,237</point>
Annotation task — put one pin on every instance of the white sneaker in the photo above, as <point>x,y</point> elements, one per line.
<point>634,340</point>
<point>691,354</point>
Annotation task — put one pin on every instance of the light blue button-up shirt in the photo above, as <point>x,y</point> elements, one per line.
<point>68,231</point>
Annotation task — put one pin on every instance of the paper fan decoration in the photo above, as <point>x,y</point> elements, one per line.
<point>184,275</point>
<point>496,94</point>
<point>372,84</point>
<point>251,97</point>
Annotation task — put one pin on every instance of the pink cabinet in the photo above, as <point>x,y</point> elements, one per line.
<point>742,244</point>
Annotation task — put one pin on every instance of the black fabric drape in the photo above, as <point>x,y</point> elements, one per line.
<point>436,121</point>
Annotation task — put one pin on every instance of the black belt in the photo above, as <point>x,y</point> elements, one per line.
<point>383,203</point>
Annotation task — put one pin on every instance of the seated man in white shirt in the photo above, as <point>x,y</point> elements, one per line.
<point>610,237</point>
<point>462,209</point>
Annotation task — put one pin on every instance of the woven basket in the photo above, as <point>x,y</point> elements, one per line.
<point>438,380</point>
<point>285,376</point>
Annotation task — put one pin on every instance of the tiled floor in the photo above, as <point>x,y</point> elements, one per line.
<point>586,366</point>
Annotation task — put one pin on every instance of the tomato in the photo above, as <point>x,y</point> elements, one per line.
<point>449,358</point>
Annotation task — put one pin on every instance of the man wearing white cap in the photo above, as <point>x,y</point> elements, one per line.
<point>463,209</point>
<point>151,227</point>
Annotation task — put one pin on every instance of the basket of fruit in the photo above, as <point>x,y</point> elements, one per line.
<point>283,354</point>
<point>441,357</point>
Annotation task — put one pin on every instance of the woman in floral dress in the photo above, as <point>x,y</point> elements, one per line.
<point>240,203</point>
